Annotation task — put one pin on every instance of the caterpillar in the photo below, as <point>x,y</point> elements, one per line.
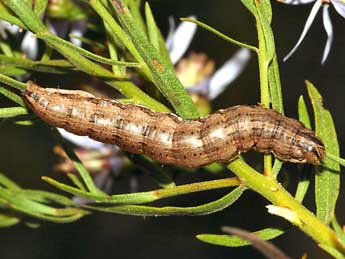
<point>169,139</point>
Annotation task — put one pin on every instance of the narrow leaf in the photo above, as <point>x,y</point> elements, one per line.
<point>265,24</point>
<point>332,251</point>
<point>12,96</point>
<point>338,229</point>
<point>235,241</point>
<point>78,164</point>
<point>12,82</point>
<point>303,114</point>
<point>219,34</point>
<point>304,181</point>
<point>151,27</point>
<point>266,248</point>
<point>249,4</point>
<point>8,221</point>
<point>8,183</point>
<point>12,112</point>
<point>162,72</point>
<point>327,176</point>
<point>208,208</point>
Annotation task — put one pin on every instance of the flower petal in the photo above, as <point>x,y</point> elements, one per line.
<point>29,45</point>
<point>181,39</point>
<point>82,141</point>
<point>327,23</point>
<point>201,88</point>
<point>58,27</point>
<point>296,2</point>
<point>11,28</point>
<point>78,28</point>
<point>171,33</point>
<point>339,5</point>
<point>307,25</point>
<point>228,72</point>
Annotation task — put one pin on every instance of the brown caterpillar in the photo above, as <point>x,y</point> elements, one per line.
<point>169,139</point>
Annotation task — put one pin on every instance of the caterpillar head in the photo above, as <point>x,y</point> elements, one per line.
<point>313,149</point>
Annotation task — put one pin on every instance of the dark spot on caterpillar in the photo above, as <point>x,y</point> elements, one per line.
<point>219,137</point>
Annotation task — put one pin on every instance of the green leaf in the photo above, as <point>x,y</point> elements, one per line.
<point>33,22</point>
<point>338,229</point>
<point>78,164</point>
<point>145,197</point>
<point>46,197</point>
<point>12,96</point>
<point>18,201</point>
<point>12,71</point>
<point>56,41</point>
<point>303,184</point>
<point>40,6</point>
<point>67,10</point>
<point>51,66</point>
<point>277,166</point>
<point>118,33</point>
<point>249,4</point>
<point>125,87</point>
<point>303,114</point>
<point>266,248</point>
<point>26,15</point>
<point>131,198</point>
<point>267,9</point>
<point>265,23</point>
<point>304,181</point>
<point>7,15</point>
<point>163,74</point>
<point>12,112</point>
<point>235,241</point>
<point>332,251</point>
<point>12,82</point>
<point>8,183</point>
<point>208,208</point>
<point>275,86</point>
<point>219,34</point>
<point>327,176</point>
<point>115,52</point>
<point>153,31</point>
<point>76,181</point>
<point>8,221</point>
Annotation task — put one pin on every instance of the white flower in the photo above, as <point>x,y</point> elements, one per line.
<point>228,72</point>
<point>339,6</point>
<point>62,27</point>
<point>6,26</point>
<point>179,39</point>
<point>81,141</point>
<point>29,43</point>
<point>199,77</point>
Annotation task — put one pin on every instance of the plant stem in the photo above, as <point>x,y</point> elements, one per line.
<point>275,193</point>
<point>264,85</point>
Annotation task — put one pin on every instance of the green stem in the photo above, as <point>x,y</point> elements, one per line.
<point>221,35</point>
<point>78,164</point>
<point>264,85</point>
<point>150,196</point>
<point>275,193</point>
<point>162,72</point>
<point>12,82</point>
<point>263,67</point>
<point>204,209</point>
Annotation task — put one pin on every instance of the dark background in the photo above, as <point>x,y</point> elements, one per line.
<point>23,156</point>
